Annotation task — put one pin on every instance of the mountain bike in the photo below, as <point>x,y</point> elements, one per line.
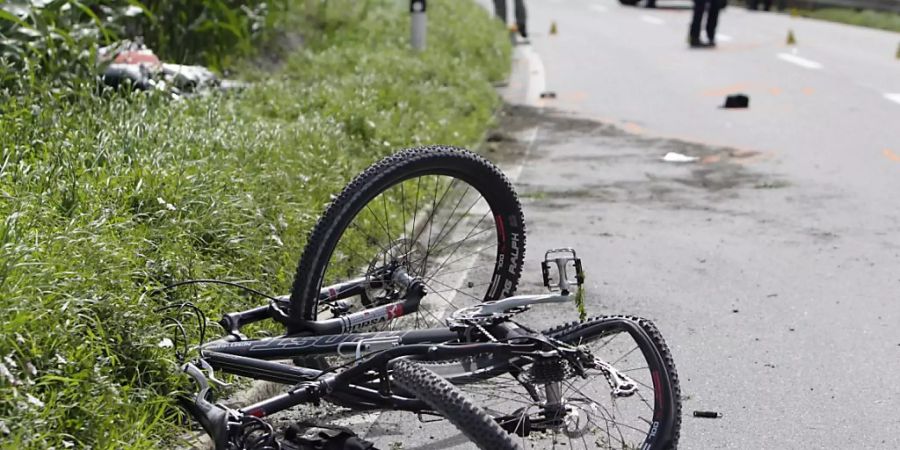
<point>404,300</point>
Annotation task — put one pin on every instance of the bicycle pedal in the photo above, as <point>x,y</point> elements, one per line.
<point>560,258</point>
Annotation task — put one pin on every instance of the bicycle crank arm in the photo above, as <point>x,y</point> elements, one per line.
<point>519,301</point>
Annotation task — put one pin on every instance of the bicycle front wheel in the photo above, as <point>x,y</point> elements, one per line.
<point>447,400</point>
<point>443,214</point>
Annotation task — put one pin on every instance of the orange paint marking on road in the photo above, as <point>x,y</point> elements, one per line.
<point>632,128</point>
<point>738,47</point>
<point>891,155</point>
<point>775,91</point>
<point>808,91</point>
<point>573,97</point>
<point>718,92</point>
<point>602,119</point>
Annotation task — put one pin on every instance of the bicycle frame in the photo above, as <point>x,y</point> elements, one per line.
<point>252,358</point>
<point>371,351</point>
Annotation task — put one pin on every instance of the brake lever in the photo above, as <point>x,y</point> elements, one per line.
<point>211,375</point>
<point>212,417</point>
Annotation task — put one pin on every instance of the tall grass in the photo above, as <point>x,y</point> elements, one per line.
<point>865,18</point>
<point>104,198</point>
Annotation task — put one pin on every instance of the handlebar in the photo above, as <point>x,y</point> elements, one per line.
<point>213,418</point>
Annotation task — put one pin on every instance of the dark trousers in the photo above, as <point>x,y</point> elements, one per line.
<point>500,11</point>
<point>712,19</point>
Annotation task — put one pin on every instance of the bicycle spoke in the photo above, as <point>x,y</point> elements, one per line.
<point>624,356</point>
<point>458,245</point>
<point>488,229</point>
<point>434,208</point>
<point>612,416</point>
<point>383,226</point>
<point>440,233</point>
<point>452,289</point>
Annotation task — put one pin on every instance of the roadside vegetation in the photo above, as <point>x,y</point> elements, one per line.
<point>105,197</point>
<point>864,18</point>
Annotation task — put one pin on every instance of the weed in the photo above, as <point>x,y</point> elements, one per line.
<point>107,197</point>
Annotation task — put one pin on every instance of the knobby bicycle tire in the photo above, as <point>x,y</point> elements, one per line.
<point>453,162</point>
<point>446,399</point>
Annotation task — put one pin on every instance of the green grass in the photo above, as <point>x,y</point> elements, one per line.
<point>865,18</point>
<point>108,197</point>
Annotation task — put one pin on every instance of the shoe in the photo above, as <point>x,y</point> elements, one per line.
<point>522,32</point>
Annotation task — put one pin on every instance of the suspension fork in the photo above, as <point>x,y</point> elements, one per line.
<point>415,291</point>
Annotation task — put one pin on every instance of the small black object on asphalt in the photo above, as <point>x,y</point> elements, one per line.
<point>707,414</point>
<point>737,101</point>
<point>496,136</point>
<point>548,94</point>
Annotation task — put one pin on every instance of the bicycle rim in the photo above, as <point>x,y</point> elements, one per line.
<point>444,215</point>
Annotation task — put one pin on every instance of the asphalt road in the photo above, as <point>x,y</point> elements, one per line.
<point>772,264</point>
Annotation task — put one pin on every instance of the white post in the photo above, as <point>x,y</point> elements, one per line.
<point>419,24</point>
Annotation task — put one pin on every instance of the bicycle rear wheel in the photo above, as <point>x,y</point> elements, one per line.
<point>554,407</point>
<point>443,214</point>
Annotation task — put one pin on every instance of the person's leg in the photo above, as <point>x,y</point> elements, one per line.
<point>699,6</point>
<point>521,18</point>
<point>500,10</point>
<point>712,19</point>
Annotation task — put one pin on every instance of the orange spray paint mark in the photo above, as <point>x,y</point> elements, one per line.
<point>632,127</point>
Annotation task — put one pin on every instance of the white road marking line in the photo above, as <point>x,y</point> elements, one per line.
<point>802,62</point>
<point>537,81</point>
<point>653,20</point>
<point>529,136</point>
<point>724,38</point>
<point>599,8</point>
<point>894,97</point>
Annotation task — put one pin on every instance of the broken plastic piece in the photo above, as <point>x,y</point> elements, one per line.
<point>678,157</point>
